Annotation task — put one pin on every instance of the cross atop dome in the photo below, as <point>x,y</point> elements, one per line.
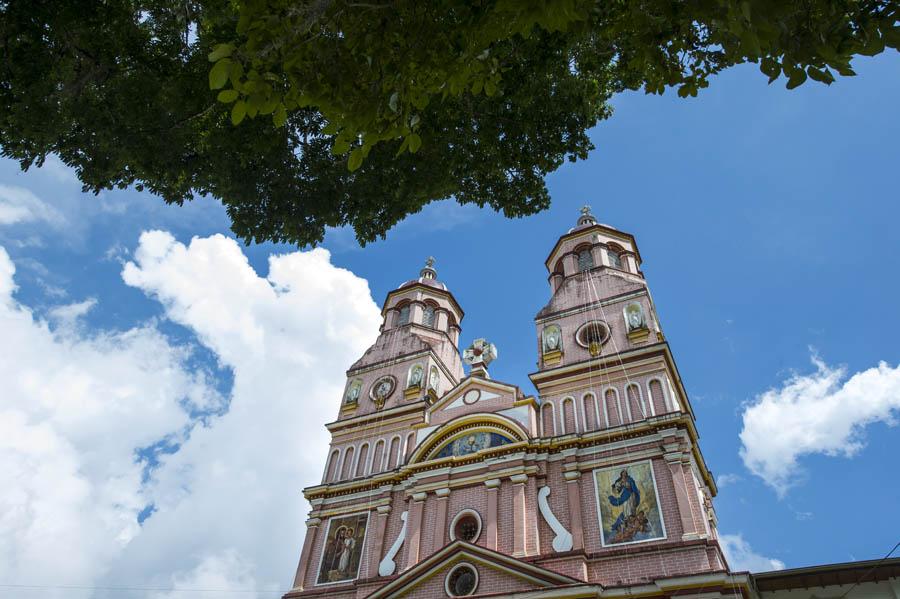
<point>428,272</point>
<point>586,217</point>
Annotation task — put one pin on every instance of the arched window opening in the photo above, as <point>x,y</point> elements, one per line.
<point>466,526</point>
<point>404,315</point>
<point>585,259</point>
<point>615,256</point>
<point>428,316</point>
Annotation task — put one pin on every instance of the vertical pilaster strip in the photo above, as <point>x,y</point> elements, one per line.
<point>440,520</point>
<point>673,459</point>
<point>416,506</point>
<point>374,556</point>
<point>519,528</point>
<point>312,527</point>
<point>490,527</point>
<point>573,492</point>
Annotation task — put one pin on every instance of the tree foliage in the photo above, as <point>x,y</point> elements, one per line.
<point>305,114</point>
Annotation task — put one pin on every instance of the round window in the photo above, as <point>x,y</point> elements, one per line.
<point>462,580</point>
<point>466,526</point>
<point>592,335</point>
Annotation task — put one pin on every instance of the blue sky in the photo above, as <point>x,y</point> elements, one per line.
<point>767,221</point>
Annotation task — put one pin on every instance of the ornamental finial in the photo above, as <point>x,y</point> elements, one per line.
<point>429,262</point>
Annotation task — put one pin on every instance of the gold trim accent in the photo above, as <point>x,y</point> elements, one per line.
<point>552,358</point>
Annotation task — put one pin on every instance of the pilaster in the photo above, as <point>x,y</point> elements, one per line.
<point>519,528</point>
<point>573,491</point>
<point>440,520</point>
<point>490,526</point>
<point>312,528</point>
<point>674,458</point>
<point>416,507</point>
<point>381,516</point>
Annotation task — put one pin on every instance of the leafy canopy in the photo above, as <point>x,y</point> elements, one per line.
<point>305,114</point>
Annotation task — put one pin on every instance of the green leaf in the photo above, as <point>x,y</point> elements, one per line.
<point>392,103</point>
<point>355,159</point>
<point>279,117</point>
<point>823,75</point>
<point>798,76</point>
<point>238,112</point>
<point>227,96</point>
<point>414,120</point>
<point>221,51</point>
<point>218,75</point>
<point>769,66</point>
<point>415,142</point>
<point>341,145</point>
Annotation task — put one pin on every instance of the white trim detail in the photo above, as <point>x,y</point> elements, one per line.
<point>387,566</point>
<point>563,539</point>
<point>562,415</point>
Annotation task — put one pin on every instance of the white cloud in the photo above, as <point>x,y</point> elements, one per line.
<point>822,412</point>
<point>228,512</point>
<point>741,556</point>
<point>19,205</point>
<point>723,480</point>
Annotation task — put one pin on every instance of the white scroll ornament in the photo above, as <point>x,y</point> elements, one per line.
<point>563,539</point>
<point>387,566</point>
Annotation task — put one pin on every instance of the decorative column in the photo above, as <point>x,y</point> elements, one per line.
<point>490,526</point>
<point>440,520</point>
<point>519,529</point>
<point>312,527</point>
<point>416,506</point>
<point>378,539</point>
<point>673,459</point>
<point>573,492</point>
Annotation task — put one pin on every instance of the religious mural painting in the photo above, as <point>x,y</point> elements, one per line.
<point>342,551</point>
<point>472,442</point>
<point>628,504</point>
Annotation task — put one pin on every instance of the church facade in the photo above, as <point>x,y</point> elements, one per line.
<point>442,484</point>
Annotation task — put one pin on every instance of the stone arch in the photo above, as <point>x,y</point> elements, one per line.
<point>466,425</point>
<point>393,453</point>
<point>410,446</point>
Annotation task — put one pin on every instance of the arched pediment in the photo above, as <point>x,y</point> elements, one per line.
<point>467,435</point>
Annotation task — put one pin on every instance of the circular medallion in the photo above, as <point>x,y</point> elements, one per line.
<point>462,580</point>
<point>471,396</point>
<point>382,389</point>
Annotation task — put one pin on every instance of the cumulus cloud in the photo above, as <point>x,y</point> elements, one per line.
<point>724,480</point>
<point>741,556</point>
<point>103,426</point>
<point>19,205</point>
<point>822,412</point>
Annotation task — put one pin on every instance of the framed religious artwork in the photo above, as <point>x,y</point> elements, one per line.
<point>345,539</point>
<point>628,504</point>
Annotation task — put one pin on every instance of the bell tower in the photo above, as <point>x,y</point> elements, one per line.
<point>446,484</point>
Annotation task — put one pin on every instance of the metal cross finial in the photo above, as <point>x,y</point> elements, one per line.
<point>586,210</point>
<point>429,262</point>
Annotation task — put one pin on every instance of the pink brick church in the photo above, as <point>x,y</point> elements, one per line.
<point>442,484</point>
